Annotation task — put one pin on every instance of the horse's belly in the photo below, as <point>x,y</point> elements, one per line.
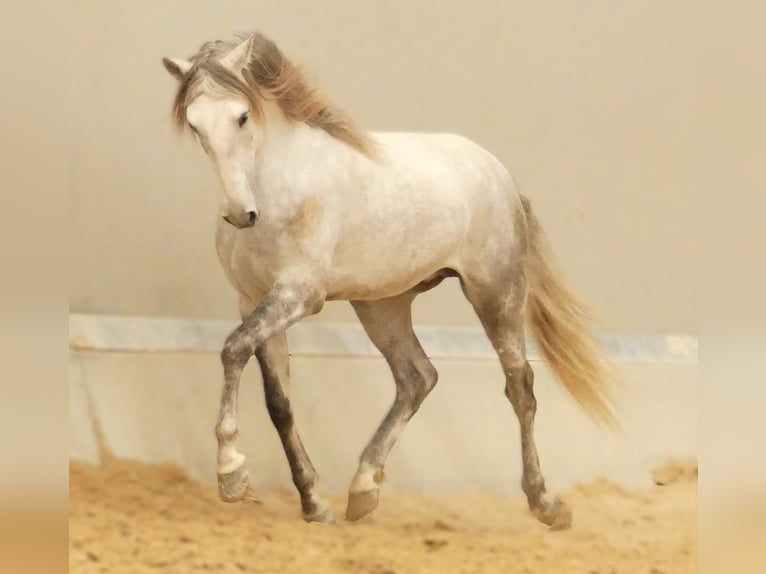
<point>348,287</point>
<point>380,266</point>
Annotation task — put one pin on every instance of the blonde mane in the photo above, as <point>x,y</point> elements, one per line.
<point>269,74</point>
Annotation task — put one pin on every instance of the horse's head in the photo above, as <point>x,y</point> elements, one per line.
<point>217,100</point>
<point>231,92</point>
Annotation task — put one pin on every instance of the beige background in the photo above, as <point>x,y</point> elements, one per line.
<point>587,102</point>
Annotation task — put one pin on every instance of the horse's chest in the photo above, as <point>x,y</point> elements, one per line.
<point>251,264</point>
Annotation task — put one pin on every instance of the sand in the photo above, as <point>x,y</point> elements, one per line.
<point>127,517</point>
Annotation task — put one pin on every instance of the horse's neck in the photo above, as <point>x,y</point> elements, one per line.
<point>297,149</point>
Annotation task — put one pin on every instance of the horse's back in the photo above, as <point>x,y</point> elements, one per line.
<point>433,152</point>
<point>450,163</point>
<point>466,176</point>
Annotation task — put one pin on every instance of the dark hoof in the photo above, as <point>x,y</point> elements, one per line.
<point>360,504</point>
<point>556,515</point>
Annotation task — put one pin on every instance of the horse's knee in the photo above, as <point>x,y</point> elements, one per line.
<point>237,350</point>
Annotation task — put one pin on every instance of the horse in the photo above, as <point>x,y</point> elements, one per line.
<point>314,209</point>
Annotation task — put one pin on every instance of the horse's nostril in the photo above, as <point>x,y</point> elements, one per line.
<point>242,220</point>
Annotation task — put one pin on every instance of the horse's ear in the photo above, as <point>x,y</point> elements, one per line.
<point>239,57</point>
<point>177,68</point>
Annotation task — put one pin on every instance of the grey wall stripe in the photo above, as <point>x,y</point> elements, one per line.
<point>159,334</point>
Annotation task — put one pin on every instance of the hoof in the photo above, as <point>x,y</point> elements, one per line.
<point>360,504</point>
<point>324,516</point>
<point>235,486</point>
<point>556,515</point>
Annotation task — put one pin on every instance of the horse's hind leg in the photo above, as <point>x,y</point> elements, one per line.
<point>273,358</point>
<point>500,309</point>
<point>388,323</point>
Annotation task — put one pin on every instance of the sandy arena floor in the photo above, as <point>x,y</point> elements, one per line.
<point>131,518</point>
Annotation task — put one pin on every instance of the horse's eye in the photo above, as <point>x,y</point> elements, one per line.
<point>192,128</point>
<point>242,119</point>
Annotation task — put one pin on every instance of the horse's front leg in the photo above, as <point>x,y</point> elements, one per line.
<point>286,304</point>
<point>274,359</point>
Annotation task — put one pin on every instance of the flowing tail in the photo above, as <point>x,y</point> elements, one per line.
<point>558,320</point>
